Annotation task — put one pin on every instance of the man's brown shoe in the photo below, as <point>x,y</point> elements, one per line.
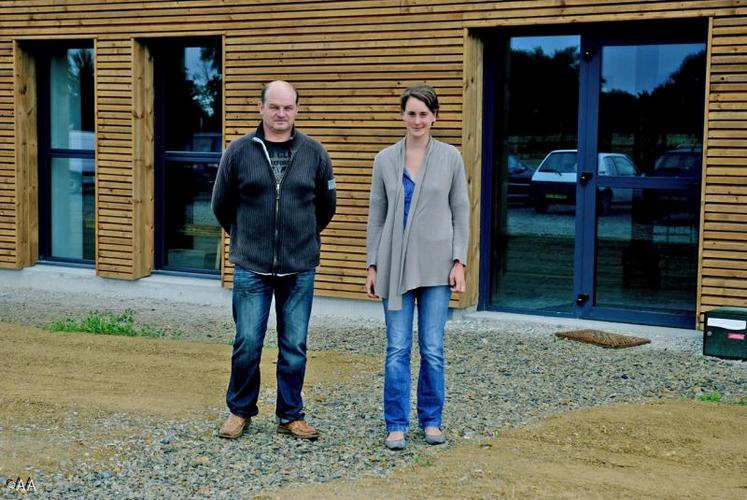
<point>233,427</point>
<point>299,429</point>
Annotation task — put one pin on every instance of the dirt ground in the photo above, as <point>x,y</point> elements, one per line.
<point>671,449</point>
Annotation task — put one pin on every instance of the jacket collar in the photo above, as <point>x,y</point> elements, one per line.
<point>260,134</point>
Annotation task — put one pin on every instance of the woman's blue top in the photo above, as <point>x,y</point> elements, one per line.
<point>409,186</point>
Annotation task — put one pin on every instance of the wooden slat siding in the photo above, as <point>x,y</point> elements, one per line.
<point>723,256</point>
<point>117,174</point>
<point>306,15</point>
<point>350,60</point>
<point>10,233</point>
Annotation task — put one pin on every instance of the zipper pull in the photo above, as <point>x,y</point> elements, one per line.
<point>277,191</point>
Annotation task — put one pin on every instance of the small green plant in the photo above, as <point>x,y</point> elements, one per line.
<point>106,323</point>
<point>424,461</point>
<point>742,402</point>
<point>711,397</point>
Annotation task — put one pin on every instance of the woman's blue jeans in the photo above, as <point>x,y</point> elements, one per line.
<point>433,309</point>
<point>252,296</point>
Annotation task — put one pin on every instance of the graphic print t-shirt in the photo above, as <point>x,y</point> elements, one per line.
<point>280,154</point>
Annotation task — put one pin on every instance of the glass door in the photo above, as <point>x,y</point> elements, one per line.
<point>645,166</point>
<point>535,155</point>
<point>594,172</point>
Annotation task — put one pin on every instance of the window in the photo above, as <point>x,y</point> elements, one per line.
<point>189,142</point>
<point>624,166</point>
<point>67,170</point>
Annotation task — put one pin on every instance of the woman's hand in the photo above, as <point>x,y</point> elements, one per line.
<point>456,278</point>
<point>371,282</point>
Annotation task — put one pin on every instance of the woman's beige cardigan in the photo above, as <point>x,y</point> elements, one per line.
<point>437,226</point>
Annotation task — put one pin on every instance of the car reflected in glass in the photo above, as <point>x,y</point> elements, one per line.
<point>519,180</point>
<point>678,206</point>
<point>684,161</point>
<point>554,181</point>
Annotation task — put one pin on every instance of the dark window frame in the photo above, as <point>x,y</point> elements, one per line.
<point>164,156</point>
<point>47,154</point>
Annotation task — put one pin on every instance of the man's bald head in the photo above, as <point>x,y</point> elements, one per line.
<point>279,85</point>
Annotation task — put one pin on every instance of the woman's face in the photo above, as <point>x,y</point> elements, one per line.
<point>418,118</point>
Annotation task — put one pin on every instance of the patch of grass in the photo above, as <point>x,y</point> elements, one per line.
<point>711,397</point>
<point>106,323</point>
<point>742,402</point>
<point>423,461</point>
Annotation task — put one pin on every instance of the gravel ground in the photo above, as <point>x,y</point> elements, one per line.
<point>500,374</point>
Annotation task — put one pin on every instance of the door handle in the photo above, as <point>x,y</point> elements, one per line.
<point>586,177</point>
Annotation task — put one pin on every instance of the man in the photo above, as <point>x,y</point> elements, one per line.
<point>274,193</point>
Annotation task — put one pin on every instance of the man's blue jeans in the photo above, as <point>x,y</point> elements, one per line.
<point>433,309</point>
<point>252,296</point>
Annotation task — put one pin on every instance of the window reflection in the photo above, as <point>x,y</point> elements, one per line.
<point>71,99</point>
<point>192,237</point>
<point>193,98</point>
<point>72,208</point>
<point>651,110</point>
<point>647,254</point>
<point>649,105</point>
<point>532,254</point>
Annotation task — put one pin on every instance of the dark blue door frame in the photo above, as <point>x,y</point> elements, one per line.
<point>588,110</point>
<point>585,224</point>
<point>486,187</point>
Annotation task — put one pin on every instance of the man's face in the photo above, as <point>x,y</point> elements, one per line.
<point>279,109</point>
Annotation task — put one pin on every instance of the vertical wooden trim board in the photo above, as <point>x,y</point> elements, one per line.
<point>472,153</point>
<point>699,313</point>
<point>143,187</point>
<point>26,146</point>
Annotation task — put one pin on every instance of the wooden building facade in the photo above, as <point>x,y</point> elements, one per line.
<point>350,60</point>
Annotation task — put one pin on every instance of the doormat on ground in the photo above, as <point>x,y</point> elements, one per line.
<point>604,339</point>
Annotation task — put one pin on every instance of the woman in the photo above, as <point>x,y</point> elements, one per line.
<point>417,234</point>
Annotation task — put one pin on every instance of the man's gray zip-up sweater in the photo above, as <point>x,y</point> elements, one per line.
<point>274,228</point>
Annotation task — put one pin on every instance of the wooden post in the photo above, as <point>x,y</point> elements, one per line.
<point>472,152</point>
<point>26,143</point>
<point>143,149</point>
